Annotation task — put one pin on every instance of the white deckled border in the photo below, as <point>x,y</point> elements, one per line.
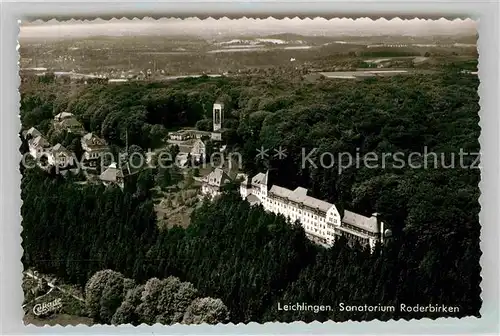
<point>11,268</point>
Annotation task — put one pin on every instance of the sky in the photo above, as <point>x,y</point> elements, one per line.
<point>224,26</point>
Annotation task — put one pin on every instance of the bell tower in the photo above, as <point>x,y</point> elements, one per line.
<point>218,115</point>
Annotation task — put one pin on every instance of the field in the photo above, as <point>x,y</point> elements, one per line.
<point>156,56</point>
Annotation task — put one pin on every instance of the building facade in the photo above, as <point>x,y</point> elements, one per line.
<point>113,175</point>
<point>179,135</point>
<point>31,133</point>
<point>93,147</point>
<point>198,151</point>
<point>183,135</point>
<point>213,182</point>
<point>38,146</point>
<point>322,222</point>
<point>61,157</point>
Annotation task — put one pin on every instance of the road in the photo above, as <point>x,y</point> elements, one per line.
<point>52,287</point>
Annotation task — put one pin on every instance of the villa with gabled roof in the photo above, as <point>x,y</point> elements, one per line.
<point>67,122</point>
<point>38,146</point>
<point>31,133</point>
<point>113,175</point>
<point>60,156</point>
<point>93,146</point>
<point>213,182</point>
<point>198,150</point>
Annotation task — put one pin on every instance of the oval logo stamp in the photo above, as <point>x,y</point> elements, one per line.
<point>47,307</point>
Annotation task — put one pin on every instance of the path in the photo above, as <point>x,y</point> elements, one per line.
<point>39,297</point>
<point>52,286</point>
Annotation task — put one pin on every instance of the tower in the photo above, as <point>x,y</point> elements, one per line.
<point>245,185</point>
<point>218,115</point>
<point>263,184</point>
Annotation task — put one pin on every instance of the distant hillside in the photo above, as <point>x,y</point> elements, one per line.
<point>291,38</point>
<point>211,28</point>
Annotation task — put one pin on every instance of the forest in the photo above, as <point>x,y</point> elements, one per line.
<point>250,259</point>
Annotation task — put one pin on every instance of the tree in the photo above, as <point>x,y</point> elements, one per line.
<point>174,299</point>
<point>76,147</point>
<point>145,180</point>
<point>126,313</point>
<point>158,301</point>
<point>204,125</point>
<point>24,148</point>
<point>104,294</point>
<point>174,151</point>
<point>189,180</point>
<point>163,178</point>
<point>148,308</point>
<point>111,299</point>
<point>158,134</point>
<point>206,310</point>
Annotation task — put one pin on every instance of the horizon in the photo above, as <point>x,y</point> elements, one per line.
<point>225,27</point>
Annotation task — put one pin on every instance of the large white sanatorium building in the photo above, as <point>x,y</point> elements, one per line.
<point>321,220</point>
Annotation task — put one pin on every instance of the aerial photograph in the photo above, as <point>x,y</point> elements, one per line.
<point>186,170</point>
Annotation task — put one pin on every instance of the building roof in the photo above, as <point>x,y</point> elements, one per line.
<point>70,122</point>
<point>191,146</point>
<point>198,150</point>
<point>198,144</point>
<point>260,178</point>
<point>70,125</point>
<point>60,149</point>
<point>317,203</point>
<point>179,132</point>
<point>360,221</point>
<point>63,115</point>
<point>185,149</point>
<point>92,140</point>
<point>181,159</point>
<point>33,132</point>
<point>188,132</point>
<point>299,195</point>
<point>280,191</point>
<point>39,141</point>
<point>111,174</point>
<point>199,132</point>
<point>216,178</point>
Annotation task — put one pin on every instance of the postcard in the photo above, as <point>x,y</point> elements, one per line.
<point>215,171</point>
